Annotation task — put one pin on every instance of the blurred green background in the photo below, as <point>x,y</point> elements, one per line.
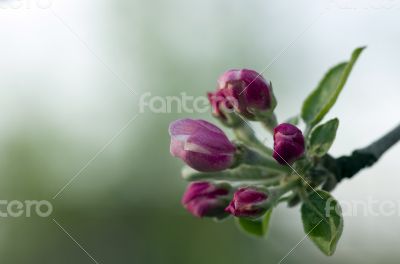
<point>72,73</point>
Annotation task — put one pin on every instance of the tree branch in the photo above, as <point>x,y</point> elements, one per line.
<point>348,166</point>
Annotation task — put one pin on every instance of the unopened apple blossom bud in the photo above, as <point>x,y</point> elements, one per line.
<point>204,199</point>
<point>201,145</point>
<point>288,143</point>
<point>223,108</point>
<point>248,202</point>
<point>251,92</point>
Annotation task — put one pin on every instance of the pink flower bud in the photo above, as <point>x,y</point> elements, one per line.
<point>247,202</point>
<point>288,143</point>
<point>201,145</point>
<point>219,103</point>
<point>206,199</point>
<point>249,89</point>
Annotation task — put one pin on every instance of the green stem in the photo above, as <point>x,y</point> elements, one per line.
<point>245,134</point>
<point>275,181</point>
<point>270,123</point>
<point>289,185</point>
<point>307,132</point>
<point>302,193</point>
<point>277,192</point>
<point>242,173</point>
<point>251,157</point>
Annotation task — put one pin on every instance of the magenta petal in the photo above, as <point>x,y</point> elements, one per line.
<point>197,189</point>
<point>207,163</point>
<point>287,152</point>
<point>185,126</point>
<point>288,143</point>
<point>220,103</point>
<point>247,195</point>
<point>231,208</point>
<point>205,199</point>
<point>246,202</point>
<point>249,89</point>
<point>176,147</point>
<point>258,92</point>
<point>210,142</point>
<point>205,207</point>
<point>201,145</point>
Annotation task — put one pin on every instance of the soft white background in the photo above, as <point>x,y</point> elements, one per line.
<point>62,67</point>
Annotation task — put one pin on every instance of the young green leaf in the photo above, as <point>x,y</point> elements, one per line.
<point>258,227</point>
<point>322,137</point>
<point>325,95</point>
<point>322,221</point>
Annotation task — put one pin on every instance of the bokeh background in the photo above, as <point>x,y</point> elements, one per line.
<point>72,73</point>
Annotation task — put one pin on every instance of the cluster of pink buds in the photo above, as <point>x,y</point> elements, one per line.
<point>243,94</point>
<point>246,177</point>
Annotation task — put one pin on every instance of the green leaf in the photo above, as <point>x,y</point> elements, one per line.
<point>258,227</point>
<point>322,221</point>
<point>325,95</point>
<point>322,138</point>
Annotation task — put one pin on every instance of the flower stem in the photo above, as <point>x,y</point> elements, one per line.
<point>252,157</point>
<point>289,185</point>
<point>270,123</point>
<point>241,174</point>
<point>277,192</point>
<point>246,135</point>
